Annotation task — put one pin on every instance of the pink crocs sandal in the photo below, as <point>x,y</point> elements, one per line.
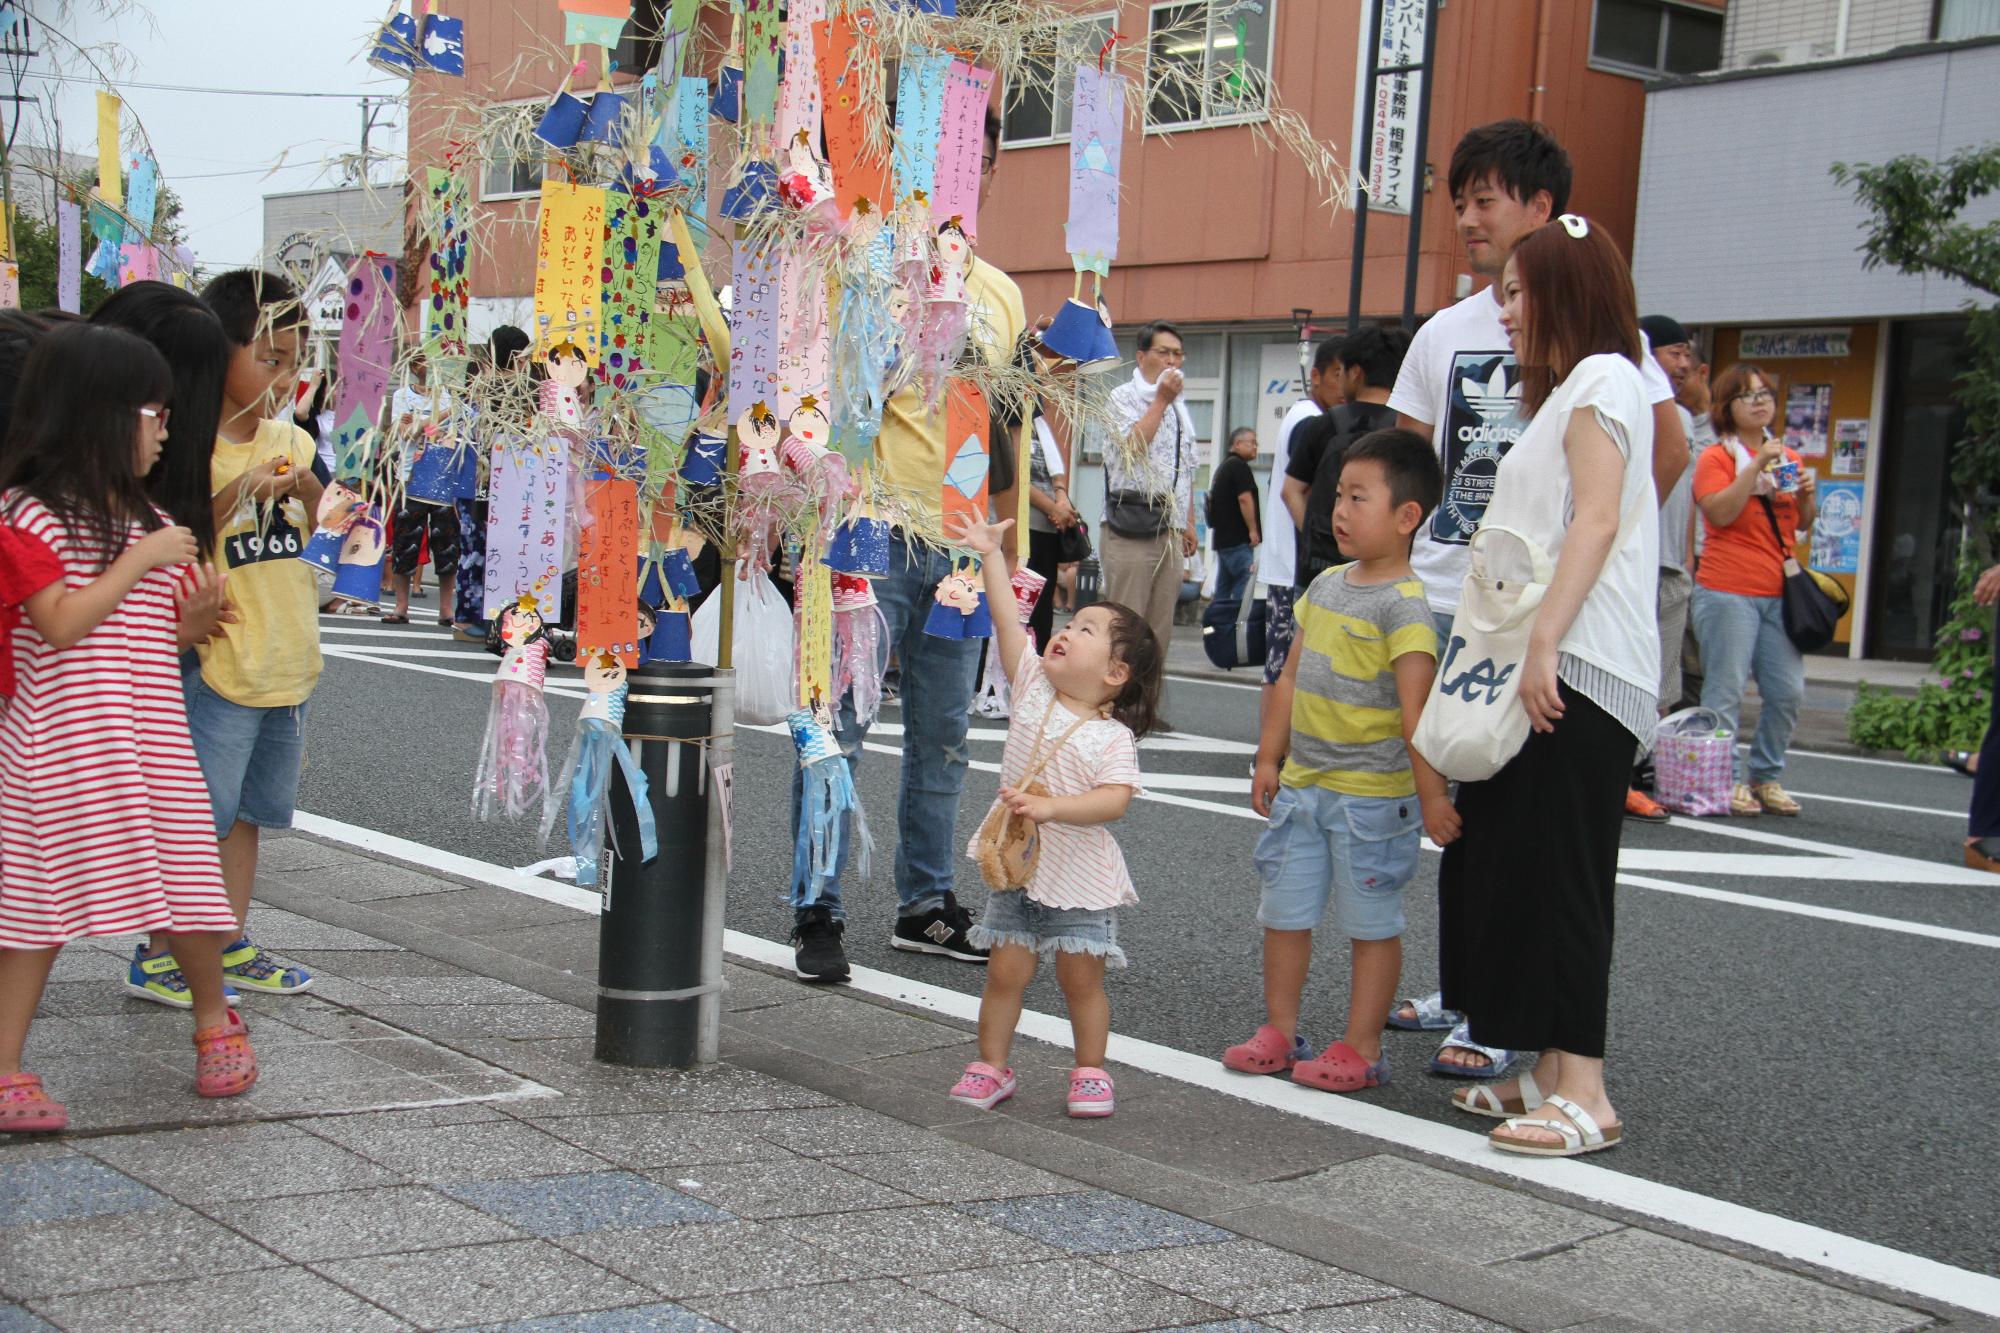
<point>1267,1052</point>
<point>983,1086</point>
<point>224,1064</point>
<point>1090,1092</point>
<point>26,1109</point>
<point>1340,1068</point>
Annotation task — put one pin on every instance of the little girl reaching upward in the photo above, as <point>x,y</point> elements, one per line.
<point>104,817</point>
<point>1071,767</point>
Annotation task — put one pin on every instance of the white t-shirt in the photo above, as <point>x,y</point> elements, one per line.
<point>1618,629</point>
<point>1278,557</point>
<point>1460,376</point>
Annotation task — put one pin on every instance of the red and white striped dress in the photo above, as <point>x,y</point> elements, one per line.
<point>105,827</point>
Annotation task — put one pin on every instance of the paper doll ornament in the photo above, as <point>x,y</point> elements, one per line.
<point>441,44</point>
<point>831,823</point>
<point>513,769</point>
<point>805,451</point>
<point>758,431</point>
<point>340,508</point>
<point>359,576</point>
<point>860,646</point>
<point>584,789</point>
<point>562,124</point>
<point>960,610</point>
<point>1081,334</point>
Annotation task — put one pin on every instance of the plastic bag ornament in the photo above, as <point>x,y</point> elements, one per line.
<point>959,609</point>
<point>513,769</point>
<point>832,826</point>
<point>860,646</point>
<point>585,785</point>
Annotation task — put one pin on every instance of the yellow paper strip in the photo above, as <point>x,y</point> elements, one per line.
<point>815,584</point>
<point>110,181</point>
<point>569,272</point>
<point>707,310</point>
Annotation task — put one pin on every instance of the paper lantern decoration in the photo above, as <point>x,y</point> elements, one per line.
<point>860,546</point>
<point>1083,335</point>
<point>603,123</point>
<point>395,50</point>
<point>441,45</point>
<point>562,124</point>
<point>703,464</point>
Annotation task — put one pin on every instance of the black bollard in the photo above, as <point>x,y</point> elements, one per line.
<point>654,985</point>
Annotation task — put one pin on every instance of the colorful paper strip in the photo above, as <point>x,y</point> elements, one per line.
<point>526,521</point>
<point>858,173</point>
<point>1096,148</point>
<point>69,256</point>
<point>961,147</point>
<point>569,275</point>
<point>110,182</point>
<point>607,574</point>
<point>367,350</point>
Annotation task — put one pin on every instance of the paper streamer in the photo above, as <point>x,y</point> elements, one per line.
<point>367,350</point>
<point>755,278</point>
<point>69,256</point>
<point>10,285</point>
<point>966,425</point>
<point>526,522</point>
<point>138,262</point>
<point>762,36</point>
<point>631,286</point>
<point>961,143</point>
<point>805,356</point>
<point>815,633</point>
<point>857,173</point>
<point>569,274</point>
<point>142,194</point>
<point>1096,147</point>
<point>798,95</point>
<point>110,185</point>
<point>690,135</point>
<point>919,120</point>
<point>607,571</point>
<point>448,222</point>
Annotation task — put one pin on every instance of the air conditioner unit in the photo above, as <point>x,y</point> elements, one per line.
<point>1791,53</point>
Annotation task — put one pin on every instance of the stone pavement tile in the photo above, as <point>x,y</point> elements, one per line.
<point>371,881</point>
<point>366,967</point>
<point>1438,1210</point>
<point>941,1171</point>
<point>487,1150</point>
<point>332,1022</point>
<point>1223,1326</point>
<point>293,851</point>
<point>388,1220</point>
<point>569,945</point>
<point>835,1131</point>
<point>590,1088</point>
<point>1103,1166</point>
<point>279,930</point>
<point>529,1021</point>
<point>1095,1223</point>
<point>857,1031</point>
<point>292,1298</point>
<point>880,1306</point>
<point>328,985</point>
<point>876,1085</point>
<point>483,1284</point>
<point>788,1187</point>
<point>103,993</point>
<point>676,1138</point>
<point>571,1205</point>
<point>55,1189</point>
<point>664,1318</point>
<point>88,1254</point>
<point>467,912</point>
<point>1249,1278</point>
<point>750,989</point>
<point>398,1090</point>
<point>237,1161</point>
<point>1685,1287</point>
<point>1220,1138</point>
<point>1062,1295</point>
<point>726,1257</point>
<point>13,1319</point>
<point>896,1242</point>
<point>1405,1314</point>
<point>415,1055</point>
<point>452,990</point>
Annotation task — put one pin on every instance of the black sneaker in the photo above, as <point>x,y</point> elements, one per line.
<point>817,937</point>
<point>940,930</point>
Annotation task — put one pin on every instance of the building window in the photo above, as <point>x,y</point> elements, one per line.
<point>1041,111</point>
<point>1650,37</point>
<point>515,160</point>
<point>1208,62</point>
<point>1960,19</point>
<point>639,49</point>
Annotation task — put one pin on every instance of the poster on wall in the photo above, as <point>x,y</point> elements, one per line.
<point>1808,411</point>
<point>1836,538</point>
<point>1280,385</point>
<point>1850,447</point>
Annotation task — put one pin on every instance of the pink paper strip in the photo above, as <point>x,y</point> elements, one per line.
<point>960,148</point>
<point>367,348</point>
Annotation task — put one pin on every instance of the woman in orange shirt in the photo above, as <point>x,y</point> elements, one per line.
<point>1746,483</point>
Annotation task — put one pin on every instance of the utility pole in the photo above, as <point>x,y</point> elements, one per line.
<point>371,107</point>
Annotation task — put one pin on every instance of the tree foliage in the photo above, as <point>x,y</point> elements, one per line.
<point>35,247</point>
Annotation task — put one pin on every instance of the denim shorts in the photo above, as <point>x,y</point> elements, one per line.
<point>1013,917</point>
<point>1362,849</point>
<point>249,757</point>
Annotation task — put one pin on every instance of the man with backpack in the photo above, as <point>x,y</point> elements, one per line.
<point>1232,515</point>
<point>1366,362</point>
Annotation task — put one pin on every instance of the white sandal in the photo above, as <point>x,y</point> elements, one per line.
<point>1582,1135</point>
<point>1482,1100</point>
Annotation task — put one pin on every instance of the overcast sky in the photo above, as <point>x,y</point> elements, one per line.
<point>215,149</point>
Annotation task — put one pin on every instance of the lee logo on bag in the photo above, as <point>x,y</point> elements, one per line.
<point>1474,680</point>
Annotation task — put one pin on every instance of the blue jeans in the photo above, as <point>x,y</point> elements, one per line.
<point>1232,570</point>
<point>1742,637</point>
<point>250,757</point>
<point>939,677</point>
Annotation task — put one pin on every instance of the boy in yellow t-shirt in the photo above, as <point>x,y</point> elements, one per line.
<point>1349,809</point>
<point>246,702</point>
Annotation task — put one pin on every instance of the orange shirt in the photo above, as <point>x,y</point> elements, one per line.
<point>1743,557</point>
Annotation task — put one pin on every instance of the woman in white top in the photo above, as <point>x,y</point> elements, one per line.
<point>1525,895</point>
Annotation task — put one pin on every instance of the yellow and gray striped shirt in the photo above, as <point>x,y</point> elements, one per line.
<point>1347,722</point>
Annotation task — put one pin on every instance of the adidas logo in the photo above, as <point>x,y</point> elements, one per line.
<point>940,931</point>
<point>1494,400</point>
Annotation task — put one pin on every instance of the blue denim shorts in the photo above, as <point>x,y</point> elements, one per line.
<point>1013,917</point>
<point>1361,849</point>
<point>249,757</point>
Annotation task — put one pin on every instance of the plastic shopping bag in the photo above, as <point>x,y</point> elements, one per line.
<point>763,649</point>
<point>1694,763</point>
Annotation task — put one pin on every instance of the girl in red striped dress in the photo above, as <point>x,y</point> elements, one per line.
<point>105,826</point>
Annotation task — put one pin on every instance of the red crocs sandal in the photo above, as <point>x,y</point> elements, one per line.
<point>224,1064</point>
<point>26,1109</point>
<point>1341,1068</point>
<point>1267,1052</point>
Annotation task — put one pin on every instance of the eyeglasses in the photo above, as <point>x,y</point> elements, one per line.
<point>1756,396</point>
<point>987,163</point>
<point>1169,353</point>
<point>159,414</point>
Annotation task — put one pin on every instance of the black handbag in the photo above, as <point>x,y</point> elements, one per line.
<point>1232,631</point>
<point>1072,544</point>
<point>1813,602</point>
<point>1132,514</point>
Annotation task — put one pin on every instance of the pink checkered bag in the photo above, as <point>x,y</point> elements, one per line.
<point>1694,763</point>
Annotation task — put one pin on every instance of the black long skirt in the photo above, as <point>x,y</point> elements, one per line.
<point>1525,894</point>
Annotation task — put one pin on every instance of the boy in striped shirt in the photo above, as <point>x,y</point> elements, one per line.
<point>1350,805</point>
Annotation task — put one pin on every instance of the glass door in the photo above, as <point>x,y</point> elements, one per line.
<point>1918,527</point>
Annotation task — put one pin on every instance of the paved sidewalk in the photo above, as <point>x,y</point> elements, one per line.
<point>432,1145</point>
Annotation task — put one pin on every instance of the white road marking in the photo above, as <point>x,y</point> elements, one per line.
<point>1863,759</point>
<point>1814,910</point>
<point>1880,805</point>
<point>1828,869</point>
<point>1888,867</point>
<point>1218,684</point>
<point>1600,1184</point>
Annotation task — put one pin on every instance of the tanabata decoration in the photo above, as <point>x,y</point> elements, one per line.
<point>358,576</point>
<point>527,522</point>
<point>594,22</point>
<point>860,546</point>
<point>110,161</point>
<point>821,472</point>
<point>69,256</point>
<point>967,424</point>
<point>367,351</point>
<point>831,825</point>
<point>583,791</point>
<point>340,508</point>
<point>441,42</point>
<point>447,218</point>
<point>142,193</point>
<point>860,646</point>
<point>993,692</point>
<point>395,47</point>
<point>959,610</point>
<point>569,278</point>
<point>443,469</point>
<point>513,770</point>
<point>607,584</point>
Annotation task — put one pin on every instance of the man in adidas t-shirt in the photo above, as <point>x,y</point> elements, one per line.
<point>1459,384</point>
<point>1460,387</point>
<point>1277,557</point>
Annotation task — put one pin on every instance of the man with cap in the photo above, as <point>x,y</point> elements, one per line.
<point>1674,351</point>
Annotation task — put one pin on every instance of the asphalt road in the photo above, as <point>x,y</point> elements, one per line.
<point>1840,1071</point>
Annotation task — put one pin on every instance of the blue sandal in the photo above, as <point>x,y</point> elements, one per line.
<point>1432,1016</point>
<point>1498,1058</point>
